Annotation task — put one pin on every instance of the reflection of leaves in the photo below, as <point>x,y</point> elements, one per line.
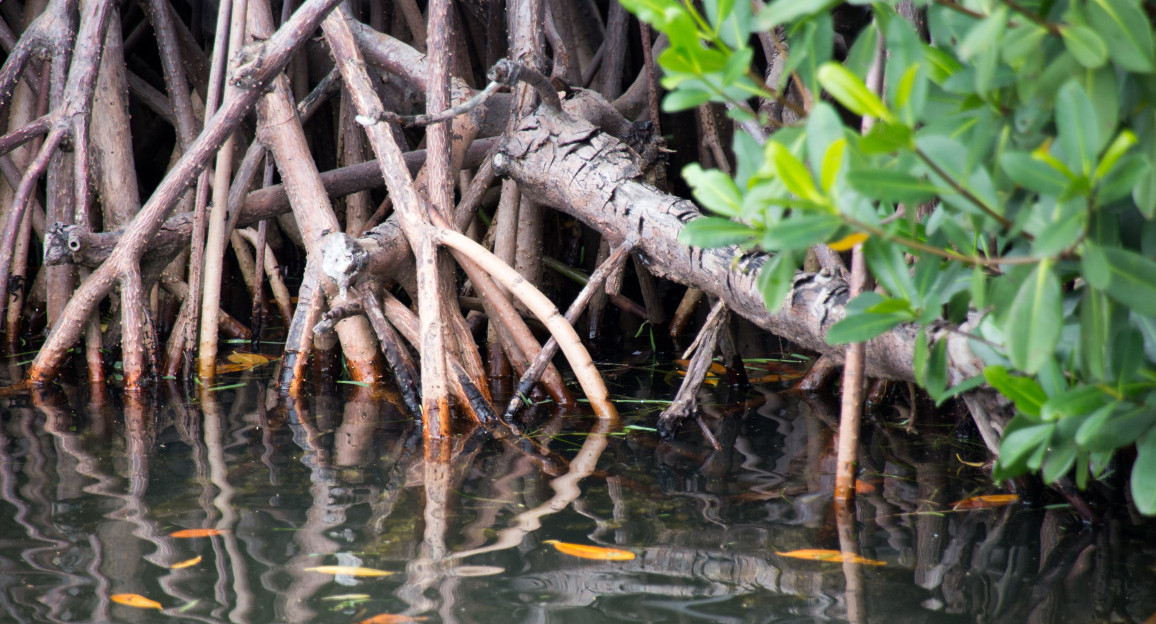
<point>187,563</point>
<point>348,570</point>
<point>986,501</point>
<point>184,533</point>
<point>831,556</point>
<point>584,551</point>
<point>136,600</point>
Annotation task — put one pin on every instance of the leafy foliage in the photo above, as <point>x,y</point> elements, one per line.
<point>1007,178</point>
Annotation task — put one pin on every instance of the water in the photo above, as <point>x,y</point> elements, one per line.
<point>90,495</point>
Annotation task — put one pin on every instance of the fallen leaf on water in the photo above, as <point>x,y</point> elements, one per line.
<point>187,563</point>
<point>986,501</point>
<point>348,570</point>
<point>136,600</point>
<point>391,618</point>
<point>347,597</point>
<point>862,487</point>
<point>198,532</point>
<point>847,242</point>
<point>591,552</point>
<point>240,361</point>
<point>831,556</point>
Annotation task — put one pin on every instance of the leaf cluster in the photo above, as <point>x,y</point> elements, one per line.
<point>1005,179</point>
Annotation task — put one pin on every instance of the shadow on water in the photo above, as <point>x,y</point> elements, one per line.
<point>91,492</point>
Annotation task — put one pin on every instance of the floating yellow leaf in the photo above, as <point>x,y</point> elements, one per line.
<point>136,600</point>
<point>591,552</point>
<point>986,501</point>
<point>848,241</point>
<point>391,618</point>
<point>187,563</point>
<point>348,570</point>
<point>831,556</point>
<point>198,532</point>
<point>343,597</point>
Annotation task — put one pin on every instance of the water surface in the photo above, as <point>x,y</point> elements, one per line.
<point>91,493</point>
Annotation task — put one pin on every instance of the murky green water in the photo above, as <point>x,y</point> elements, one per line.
<point>90,495</point>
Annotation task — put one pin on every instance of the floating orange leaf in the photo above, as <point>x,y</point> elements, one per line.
<point>832,556</point>
<point>348,570</point>
<point>391,618</point>
<point>591,552</point>
<point>198,532</point>
<point>986,501</point>
<point>187,563</point>
<point>240,361</point>
<point>848,241</point>
<point>136,600</point>
<point>862,487</point>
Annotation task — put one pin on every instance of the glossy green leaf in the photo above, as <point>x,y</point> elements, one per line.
<point>1078,134</point>
<point>887,138</point>
<point>774,280</point>
<point>1126,31</point>
<point>1096,329</point>
<point>1131,279</point>
<point>863,326</point>
<point>1078,401</point>
<point>684,99</point>
<point>793,173</point>
<point>1116,150</point>
<point>1144,474</point>
<point>800,231</point>
<point>1111,428</point>
<point>714,190</point>
<point>852,93</point>
<point>888,266</point>
<point>1084,44</point>
<point>1032,174</point>
<point>1016,449</point>
<point>710,232</point>
<point>1033,326</point>
<point>1028,396</point>
<point>890,185</point>
<point>786,11</point>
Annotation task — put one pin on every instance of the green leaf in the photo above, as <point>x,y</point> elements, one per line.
<point>775,279</point>
<point>863,326</point>
<point>800,231</point>
<point>887,265</point>
<point>824,128</point>
<point>793,173</point>
<point>1132,279</point>
<point>1096,329</point>
<point>985,35</point>
<point>891,185</point>
<point>710,232</point>
<point>785,11</point>
<point>684,98</point>
<point>887,138</point>
<point>937,371</point>
<point>850,91</point>
<point>832,163</point>
<point>1122,179</point>
<point>1144,475</point>
<point>714,190</point>
<point>1060,460</point>
<point>1078,401</point>
<point>1017,448</point>
<point>1126,31</point>
<point>1084,44</point>
<point>1109,428</point>
<point>1028,396</point>
<point>1120,145</point>
<point>1078,134</point>
<point>1032,174</point>
<point>919,357</point>
<point>1033,326</point>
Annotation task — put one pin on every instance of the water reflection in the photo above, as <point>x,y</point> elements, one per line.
<point>92,494</point>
